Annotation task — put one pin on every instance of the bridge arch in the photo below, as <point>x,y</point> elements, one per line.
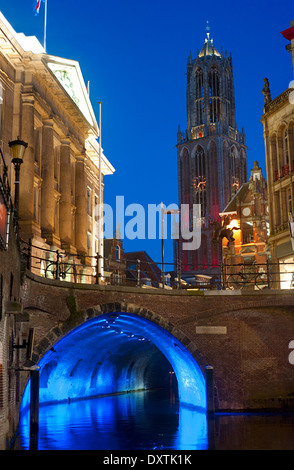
<point>117,348</point>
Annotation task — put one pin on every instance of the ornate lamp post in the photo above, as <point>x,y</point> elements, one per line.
<point>17,149</point>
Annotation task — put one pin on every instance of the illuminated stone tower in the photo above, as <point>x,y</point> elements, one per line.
<point>212,160</point>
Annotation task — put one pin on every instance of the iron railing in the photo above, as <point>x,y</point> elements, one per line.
<point>58,264</point>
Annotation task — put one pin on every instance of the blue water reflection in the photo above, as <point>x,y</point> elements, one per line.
<point>142,420</point>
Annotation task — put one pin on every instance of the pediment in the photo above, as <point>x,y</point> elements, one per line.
<point>69,75</point>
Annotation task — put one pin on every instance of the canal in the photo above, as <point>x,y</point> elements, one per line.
<point>89,396</point>
<point>153,420</point>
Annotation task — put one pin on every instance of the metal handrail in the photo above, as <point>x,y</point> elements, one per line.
<point>59,264</point>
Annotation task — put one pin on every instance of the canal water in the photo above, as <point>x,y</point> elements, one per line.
<point>153,420</point>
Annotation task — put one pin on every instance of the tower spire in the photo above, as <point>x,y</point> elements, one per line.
<point>208,49</point>
<point>207,30</point>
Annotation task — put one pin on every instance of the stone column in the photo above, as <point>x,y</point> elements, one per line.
<point>65,212</point>
<point>26,193</point>
<point>81,205</point>
<point>47,194</point>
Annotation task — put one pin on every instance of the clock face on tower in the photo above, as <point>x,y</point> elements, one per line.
<point>246,211</point>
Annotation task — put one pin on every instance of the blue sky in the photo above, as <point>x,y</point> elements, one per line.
<point>134,53</point>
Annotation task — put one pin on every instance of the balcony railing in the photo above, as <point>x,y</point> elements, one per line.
<point>285,170</point>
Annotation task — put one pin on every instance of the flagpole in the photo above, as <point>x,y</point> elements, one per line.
<point>45,25</point>
<point>100,224</point>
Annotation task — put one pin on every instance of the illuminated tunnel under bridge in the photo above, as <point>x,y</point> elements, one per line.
<point>116,353</point>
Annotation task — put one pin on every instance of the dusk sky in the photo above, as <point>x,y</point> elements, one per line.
<point>134,54</point>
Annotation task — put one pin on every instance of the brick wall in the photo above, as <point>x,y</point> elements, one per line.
<point>10,331</point>
<point>244,337</point>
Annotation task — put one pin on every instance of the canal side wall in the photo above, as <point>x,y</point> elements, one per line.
<point>11,334</point>
<point>245,337</point>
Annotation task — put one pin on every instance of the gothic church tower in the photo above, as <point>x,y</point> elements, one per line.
<point>212,160</point>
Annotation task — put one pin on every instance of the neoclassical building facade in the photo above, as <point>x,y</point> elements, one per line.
<point>212,153</point>
<point>44,101</point>
<point>278,125</point>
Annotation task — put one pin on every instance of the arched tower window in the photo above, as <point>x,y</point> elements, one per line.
<point>228,98</point>
<point>214,94</point>
<point>199,92</point>
<point>199,180</point>
<point>213,181</point>
<point>185,177</point>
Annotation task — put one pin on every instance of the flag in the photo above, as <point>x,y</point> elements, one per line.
<point>37,7</point>
<point>38,4</point>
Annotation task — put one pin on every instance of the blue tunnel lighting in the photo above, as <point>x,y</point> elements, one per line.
<point>116,354</point>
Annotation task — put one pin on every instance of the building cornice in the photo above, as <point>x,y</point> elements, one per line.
<point>276,103</point>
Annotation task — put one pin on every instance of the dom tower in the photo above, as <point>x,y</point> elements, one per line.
<point>212,160</point>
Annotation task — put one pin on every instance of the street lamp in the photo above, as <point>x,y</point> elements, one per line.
<point>17,149</point>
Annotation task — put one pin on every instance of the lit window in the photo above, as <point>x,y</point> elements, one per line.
<point>89,243</point>
<point>96,202</point>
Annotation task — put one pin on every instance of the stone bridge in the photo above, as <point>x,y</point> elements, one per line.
<point>245,336</point>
